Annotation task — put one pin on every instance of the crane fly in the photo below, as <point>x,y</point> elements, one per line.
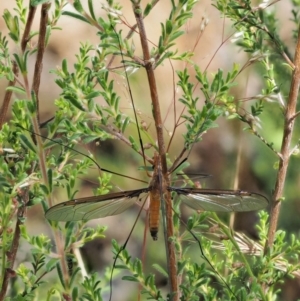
<point>115,203</point>
<point>196,198</point>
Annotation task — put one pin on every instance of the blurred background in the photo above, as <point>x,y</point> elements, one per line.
<point>216,154</point>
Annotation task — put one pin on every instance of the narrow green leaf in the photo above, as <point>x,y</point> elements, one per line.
<point>139,267</point>
<point>28,144</point>
<point>75,293</point>
<point>74,274</point>
<point>93,94</point>
<point>69,226</point>
<point>169,27</point>
<point>121,266</point>
<point>215,85</point>
<point>60,275</point>
<point>91,9</point>
<point>25,58</point>
<point>176,35</point>
<point>37,2</point>
<point>91,104</point>
<point>147,9</point>
<point>130,278</point>
<point>133,143</point>
<point>32,105</point>
<point>78,6</point>
<point>160,270</point>
<point>44,189</point>
<point>76,16</point>
<point>74,102</point>
<point>126,121</point>
<point>12,24</point>
<point>20,63</point>
<point>89,139</point>
<point>65,66</point>
<point>16,89</point>
<point>50,179</point>
<point>51,264</point>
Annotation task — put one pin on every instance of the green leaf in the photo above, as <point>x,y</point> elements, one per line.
<point>51,264</point>
<point>169,27</point>
<point>27,143</point>
<point>16,89</point>
<point>37,2</point>
<point>78,6</point>
<point>50,179</point>
<point>76,16</point>
<point>130,278</point>
<point>60,275</point>
<point>74,102</point>
<point>45,189</point>
<point>65,67</point>
<point>147,9</point>
<point>133,143</point>
<point>160,269</point>
<point>93,94</point>
<point>20,62</point>
<point>126,121</point>
<point>91,9</point>
<point>74,274</point>
<point>12,24</point>
<point>75,293</point>
<point>175,35</point>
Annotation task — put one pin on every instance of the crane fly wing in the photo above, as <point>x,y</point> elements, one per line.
<point>221,200</point>
<point>95,206</point>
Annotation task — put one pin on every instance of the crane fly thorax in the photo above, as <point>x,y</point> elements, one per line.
<point>157,185</point>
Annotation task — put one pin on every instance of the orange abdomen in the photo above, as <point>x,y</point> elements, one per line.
<point>154,213</point>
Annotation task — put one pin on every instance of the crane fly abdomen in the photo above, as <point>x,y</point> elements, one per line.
<point>154,212</point>
<point>156,192</point>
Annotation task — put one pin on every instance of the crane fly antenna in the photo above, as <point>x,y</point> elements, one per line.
<point>83,154</point>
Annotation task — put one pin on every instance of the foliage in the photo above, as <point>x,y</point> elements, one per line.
<point>89,109</point>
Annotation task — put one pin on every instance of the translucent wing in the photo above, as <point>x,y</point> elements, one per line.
<point>220,200</point>
<point>95,206</point>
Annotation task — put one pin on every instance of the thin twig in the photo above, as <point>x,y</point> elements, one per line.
<point>130,33</point>
<point>41,155</point>
<point>26,34</point>
<point>12,253</point>
<point>40,54</point>
<point>285,148</point>
<point>296,115</point>
<point>171,254</point>
<point>114,132</point>
<point>8,94</point>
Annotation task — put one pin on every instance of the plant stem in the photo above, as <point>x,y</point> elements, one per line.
<point>228,233</point>
<point>35,118</point>
<point>285,147</point>
<point>26,34</point>
<point>171,254</point>
<point>12,253</point>
<point>40,53</point>
<point>8,94</point>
